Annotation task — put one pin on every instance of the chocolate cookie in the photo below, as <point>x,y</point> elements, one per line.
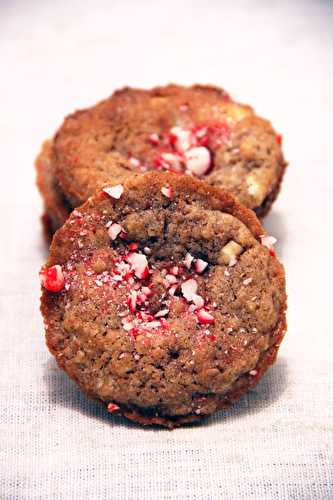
<point>163,299</point>
<point>195,130</point>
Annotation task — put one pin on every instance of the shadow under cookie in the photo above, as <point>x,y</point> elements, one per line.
<point>63,391</point>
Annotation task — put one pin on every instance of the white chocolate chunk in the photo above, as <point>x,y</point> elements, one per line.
<point>256,187</point>
<point>229,252</point>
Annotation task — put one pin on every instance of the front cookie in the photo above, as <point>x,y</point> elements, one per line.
<point>163,298</point>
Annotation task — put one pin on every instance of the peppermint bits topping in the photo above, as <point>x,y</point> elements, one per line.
<point>181,139</point>
<point>268,242</point>
<point>198,161</point>
<point>167,191</point>
<point>188,150</point>
<point>114,191</point>
<point>204,317</point>
<point>52,278</point>
<point>133,301</point>
<point>154,139</point>
<point>134,162</point>
<point>171,161</point>
<point>188,260</point>
<point>189,289</point>
<point>114,230</point>
<point>112,408</point>
<point>200,265</point>
<point>139,264</point>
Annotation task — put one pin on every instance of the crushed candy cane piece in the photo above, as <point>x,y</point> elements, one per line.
<point>112,407</point>
<point>172,290</point>
<point>162,312</point>
<point>127,325</point>
<point>172,161</point>
<point>154,139</point>
<point>200,132</point>
<point>204,317</point>
<point>134,162</point>
<point>140,265</point>
<point>167,191</point>
<point>181,139</point>
<point>52,278</point>
<point>198,160</point>
<point>198,301</point>
<point>189,289</point>
<point>147,291</point>
<point>114,191</point>
<point>268,242</point>
<point>171,279</point>
<point>153,324</point>
<point>114,230</point>
<point>200,265</point>
<point>133,301</point>
<point>175,270</point>
<point>188,260</point>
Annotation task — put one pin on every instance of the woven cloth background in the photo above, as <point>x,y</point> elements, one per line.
<point>59,56</point>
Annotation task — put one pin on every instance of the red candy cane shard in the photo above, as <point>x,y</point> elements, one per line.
<point>52,278</point>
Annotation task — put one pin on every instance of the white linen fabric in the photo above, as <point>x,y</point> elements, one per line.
<point>59,56</point>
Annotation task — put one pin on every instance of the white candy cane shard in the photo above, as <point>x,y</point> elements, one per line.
<point>114,191</point>
<point>140,265</point>
<point>188,260</point>
<point>189,289</point>
<point>204,317</point>
<point>167,191</point>
<point>114,230</point>
<point>181,139</point>
<point>198,160</point>
<point>200,265</point>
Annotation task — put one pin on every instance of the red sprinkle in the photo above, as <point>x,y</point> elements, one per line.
<point>52,279</point>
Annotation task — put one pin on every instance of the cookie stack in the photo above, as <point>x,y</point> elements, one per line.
<point>162,295</point>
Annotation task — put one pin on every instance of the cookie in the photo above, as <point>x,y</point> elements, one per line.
<point>56,206</point>
<point>194,130</point>
<point>163,299</point>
